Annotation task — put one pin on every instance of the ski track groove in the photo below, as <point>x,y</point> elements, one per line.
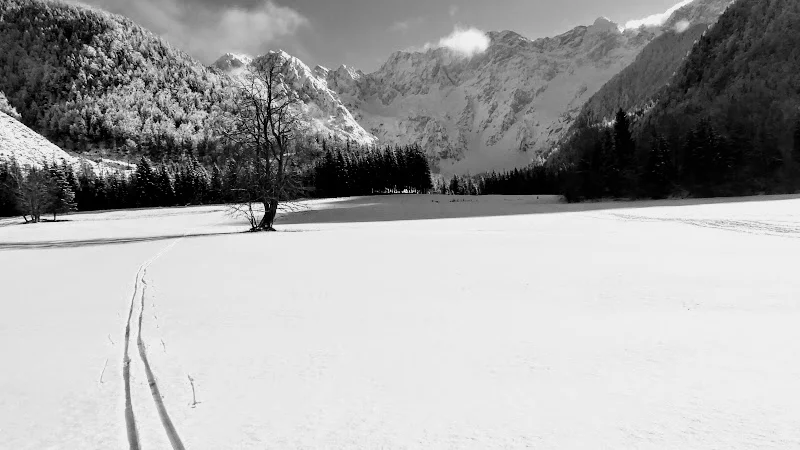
<point>139,287</point>
<point>785,230</point>
<point>130,420</point>
<point>166,422</point>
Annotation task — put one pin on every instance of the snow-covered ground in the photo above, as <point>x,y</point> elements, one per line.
<point>490,322</point>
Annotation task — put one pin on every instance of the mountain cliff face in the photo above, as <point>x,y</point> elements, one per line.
<point>321,111</point>
<point>497,109</point>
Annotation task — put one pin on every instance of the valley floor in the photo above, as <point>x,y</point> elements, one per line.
<point>407,322</point>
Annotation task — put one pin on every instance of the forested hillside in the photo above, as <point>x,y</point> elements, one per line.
<point>730,116</point>
<point>637,84</point>
<point>90,80</point>
<point>727,123</point>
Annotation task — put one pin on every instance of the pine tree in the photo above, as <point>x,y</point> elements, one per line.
<point>658,172</point>
<point>455,186</point>
<point>166,191</point>
<point>230,183</point>
<point>624,150</point>
<point>62,197</point>
<point>145,184</point>
<point>215,188</point>
<point>9,176</point>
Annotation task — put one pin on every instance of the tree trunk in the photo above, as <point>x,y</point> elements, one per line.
<point>270,211</point>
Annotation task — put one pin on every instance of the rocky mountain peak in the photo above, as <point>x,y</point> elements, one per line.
<point>603,25</point>
<point>231,61</point>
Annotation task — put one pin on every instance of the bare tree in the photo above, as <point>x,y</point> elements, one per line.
<point>263,128</point>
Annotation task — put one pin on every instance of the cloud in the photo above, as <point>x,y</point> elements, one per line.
<point>403,26</point>
<point>207,29</point>
<point>466,41</point>
<point>656,19</point>
<point>682,26</point>
<point>453,10</point>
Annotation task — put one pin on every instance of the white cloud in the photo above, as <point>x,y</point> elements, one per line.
<point>682,26</point>
<point>656,19</point>
<point>453,10</point>
<point>464,41</point>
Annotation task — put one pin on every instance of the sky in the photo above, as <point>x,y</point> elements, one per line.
<point>359,33</point>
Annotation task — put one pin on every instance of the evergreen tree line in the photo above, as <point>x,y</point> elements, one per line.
<point>703,161</point>
<point>58,188</point>
<point>343,173</point>
<point>610,162</point>
<point>531,180</point>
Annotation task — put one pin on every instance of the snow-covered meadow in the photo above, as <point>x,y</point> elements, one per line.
<point>408,322</point>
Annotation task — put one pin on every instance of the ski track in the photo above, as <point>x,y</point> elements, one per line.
<point>786,230</point>
<point>130,421</point>
<point>166,422</point>
<point>139,290</point>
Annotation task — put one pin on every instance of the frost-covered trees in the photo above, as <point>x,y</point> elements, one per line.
<point>86,79</point>
<point>6,108</point>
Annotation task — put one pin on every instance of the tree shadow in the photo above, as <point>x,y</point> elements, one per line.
<point>38,245</point>
<point>431,207</point>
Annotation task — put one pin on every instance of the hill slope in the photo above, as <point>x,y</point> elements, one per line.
<point>90,80</point>
<point>745,72</point>
<point>29,148</point>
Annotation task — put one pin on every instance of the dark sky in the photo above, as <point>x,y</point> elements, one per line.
<point>360,33</point>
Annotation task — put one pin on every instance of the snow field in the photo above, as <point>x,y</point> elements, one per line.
<point>509,323</point>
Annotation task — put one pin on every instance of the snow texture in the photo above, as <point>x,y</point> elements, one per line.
<point>410,322</point>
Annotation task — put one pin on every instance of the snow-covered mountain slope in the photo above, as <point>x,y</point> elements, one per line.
<point>497,109</point>
<point>29,148</point>
<point>322,112</point>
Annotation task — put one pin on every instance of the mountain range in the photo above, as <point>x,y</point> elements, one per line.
<point>508,105</point>
<point>97,83</point>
